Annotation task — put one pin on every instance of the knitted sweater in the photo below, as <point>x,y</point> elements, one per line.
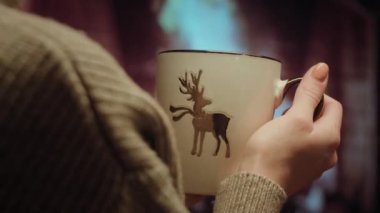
<point>78,135</point>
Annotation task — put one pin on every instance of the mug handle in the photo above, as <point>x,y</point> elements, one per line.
<point>286,85</point>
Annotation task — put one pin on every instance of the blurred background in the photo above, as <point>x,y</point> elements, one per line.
<point>342,33</point>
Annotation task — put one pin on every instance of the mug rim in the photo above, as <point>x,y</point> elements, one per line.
<point>216,52</point>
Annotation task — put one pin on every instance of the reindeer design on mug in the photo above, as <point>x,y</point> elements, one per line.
<point>203,122</point>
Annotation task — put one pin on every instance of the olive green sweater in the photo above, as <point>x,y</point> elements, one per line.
<point>78,135</point>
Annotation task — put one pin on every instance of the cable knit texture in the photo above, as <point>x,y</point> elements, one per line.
<point>75,130</point>
<point>77,135</point>
<point>247,192</point>
<point>12,3</point>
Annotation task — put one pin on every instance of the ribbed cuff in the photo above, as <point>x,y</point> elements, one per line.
<point>247,192</point>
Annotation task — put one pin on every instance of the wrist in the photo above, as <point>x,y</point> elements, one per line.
<point>275,173</point>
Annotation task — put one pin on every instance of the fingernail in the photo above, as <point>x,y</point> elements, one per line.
<point>320,72</point>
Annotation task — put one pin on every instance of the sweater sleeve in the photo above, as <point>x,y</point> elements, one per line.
<point>81,128</point>
<point>246,192</point>
<point>77,134</point>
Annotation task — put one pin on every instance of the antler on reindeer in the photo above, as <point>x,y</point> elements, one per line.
<point>188,88</point>
<point>202,121</point>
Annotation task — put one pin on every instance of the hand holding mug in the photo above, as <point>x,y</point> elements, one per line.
<point>216,101</point>
<point>293,150</point>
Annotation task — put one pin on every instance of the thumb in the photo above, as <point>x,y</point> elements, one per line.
<point>310,90</point>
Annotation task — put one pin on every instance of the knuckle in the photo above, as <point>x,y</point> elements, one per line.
<point>302,123</point>
<point>333,161</point>
<point>312,91</point>
<point>337,104</point>
<point>335,139</point>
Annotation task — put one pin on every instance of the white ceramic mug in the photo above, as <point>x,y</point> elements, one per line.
<point>216,101</point>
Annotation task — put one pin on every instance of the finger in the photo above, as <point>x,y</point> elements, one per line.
<point>328,126</point>
<point>332,161</point>
<point>332,114</point>
<point>310,90</point>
